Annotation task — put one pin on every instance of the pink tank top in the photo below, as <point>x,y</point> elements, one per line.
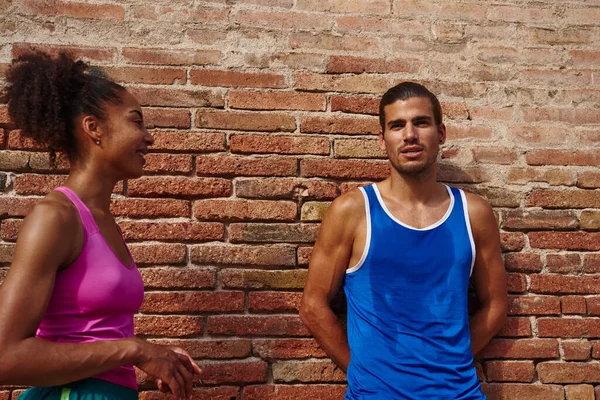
<point>94,298</point>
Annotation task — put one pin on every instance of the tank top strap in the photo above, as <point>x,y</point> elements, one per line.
<point>87,219</point>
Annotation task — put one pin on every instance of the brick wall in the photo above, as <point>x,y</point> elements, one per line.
<point>263,111</point>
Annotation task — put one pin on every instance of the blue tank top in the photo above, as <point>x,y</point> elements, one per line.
<point>408,324</point>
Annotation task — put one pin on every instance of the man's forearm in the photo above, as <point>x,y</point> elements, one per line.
<point>484,324</point>
<point>330,335</point>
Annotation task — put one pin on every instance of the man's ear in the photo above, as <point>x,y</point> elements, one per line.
<point>382,144</point>
<point>442,133</point>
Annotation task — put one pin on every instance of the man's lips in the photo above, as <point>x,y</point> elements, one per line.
<point>411,151</point>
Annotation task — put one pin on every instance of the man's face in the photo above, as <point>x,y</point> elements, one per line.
<point>411,138</point>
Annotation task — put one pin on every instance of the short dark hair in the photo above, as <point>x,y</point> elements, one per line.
<point>46,94</point>
<point>406,90</point>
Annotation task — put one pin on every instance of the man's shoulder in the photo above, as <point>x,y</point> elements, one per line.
<point>349,203</point>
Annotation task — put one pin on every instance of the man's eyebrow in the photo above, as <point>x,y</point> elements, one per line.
<point>423,117</point>
<point>395,121</point>
<point>137,112</point>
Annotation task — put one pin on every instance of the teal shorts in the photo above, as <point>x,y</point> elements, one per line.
<point>86,389</point>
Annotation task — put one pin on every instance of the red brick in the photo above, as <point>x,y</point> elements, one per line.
<point>207,393</point>
<point>355,104</point>
<point>245,210</point>
<point>179,15</point>
<point>563,263</point>
<point>3,138</point>
<point>30,184</point>
<point>274,301</point>
<point>376,7</point>
<point>261,144</point>
<point>559,284</point>
<point>509,371</point>
<point>588,180</point>
<point>236,372</point>
<point>383,26</point>
<point>307,372</point>
<point>159,97</point>
<point>178,278</point>
<point>296,21</point>
<point>512,241</point>
<point>168,326</point>
<point>246,166</point>
<point>582,16</point>
<point>468,132</point>
<point>250,325</point>
<point>570,35</point>
<point>555,177</point>
<point>262,279</point>
<point>358,148</point>
<point>79,52</point>
<point>166,118</point>
<point>453,174</point>
<point>516,283</point>
<point>9,229</point>
<point>147,75</point>
<point>268,349</point>
<point>593,305</point>
<point>7,251</point>
<point>285,188</point>
<point>491,113</point>
<point>578,116</point>
<point>357,65</point>
<point>576,350</point>
<point>344,169</point>
<point>341,83</point>
<point>192,302</point>
<point>179,186</point>
<point>207,77</point>
<point>209,348</point>
<point>245,121</point>
<point>539,219</point>
<point>521,391</point>
<point>516,327</point>
<point>573,372</point>
<point>569,327</point>
<point>313,211</point>
<point>172,231</point>
<point>521,348</point>
<point>494,155</point>
<point>596,350</point>
<point>163,254</point>
<point>565,240</point>
<point>171,57</point>
<point>273,233</point>
<point>573,305</point>
<point>579,392</point>
<point>255,256</point>
<point>591,263</point>
<point>533,305</point>
<point>304,254</point>
<point>168,163</point>
<point>293,392</point>
<point>523,262</point>
<point>255,100</point>
<point>553,79</point>
<point>17,206</point>
<point>563,157</point>
<point>584,59</point>
<point>156,208</point>
<point>340,125</point>
<point>188,141</point>
<point>564,198</point>
<point>332,42</point>
<point>75,10</point>
<point>4,395</point>
<point>535,135</point>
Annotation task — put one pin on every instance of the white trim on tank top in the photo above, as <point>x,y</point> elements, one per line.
<point>468,222</point>
<point>428,228</point>
<point>368,236</point>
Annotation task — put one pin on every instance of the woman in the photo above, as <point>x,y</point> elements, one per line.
<point>66,321</point>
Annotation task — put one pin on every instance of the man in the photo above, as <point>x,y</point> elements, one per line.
<point>404,249</point>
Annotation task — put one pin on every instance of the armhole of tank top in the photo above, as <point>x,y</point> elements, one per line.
<point>468,223</point>
<point>367,236</point>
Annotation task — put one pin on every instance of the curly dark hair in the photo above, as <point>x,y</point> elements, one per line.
<point>46,94</point>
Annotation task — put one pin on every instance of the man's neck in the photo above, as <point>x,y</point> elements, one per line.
<point>414,189</point>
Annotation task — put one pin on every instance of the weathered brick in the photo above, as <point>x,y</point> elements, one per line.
<point>9,228</point>
<point>246,166</point>
<point>30,184</point>
<point>339,125</point>
<point>207,77</point>
<point>521,391</point>
<point>579,392</point>
<point>263,279</point>
<point>539,220</point>
<point>533,305</point>
<point>573,372</point>
<point>291,392</point>
<point>521,349</point>
<point>313,211</point>
<point>553,176</point>
<point>155,208</point>
<point>344,169</point>
<point>163,254</point>
<point>340,83</point>
<point>512,241</point>
<point>516,327</point>
<point>494,155</point>
<point>159,97</point>
<point>188,141</point>
<point>84,52</point>
<point>256,210</point>
<point>168,163</point>
<point>564,284</point>
<point>588,179</point>
<point>304,254</point>
<point>274,301</point>
<point>178,278</point>
<point>332,42</point>
<point>453,174</point>
<point>355,104</point>
<point>255,100</point>
<point>562,157</point>
<point>286,348</point>
<point>576,350</point>
<point>285,188</point>
<point>278,144</point>
<point>202,393</point>
<point>236,372</point>
<point>591,263</point>
<point>568,115</point>
<point>283,20</point>
<point>535,135</point>
<point>172,231</point>
<point>147,75</point>
<point>245,121</point>
<point>357,65</point>
<point>192,302</point>
<point>573,305</point>
<point>75,10</point>
<point>250,325</point>
<point>565,240</point>
<point>569,327</point>
<point>377,7</point>
<point>516,283</point>
<point>168,326</point>
<point>179,186</point>
<point>171,57</point>
<point>307,371</point>
<point>172,13</point>
<point>166,118</point>
<point>357,148</point>
<point>17,206</point>
<point>593,305</point>
<point>468,132</point>
<point>523,262</point>
<point>209,348</point>
<point>273,233</point>
<point>563,263</point>
<point>7,250</point>
<point>256,256</point>
<point>509,371</point>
